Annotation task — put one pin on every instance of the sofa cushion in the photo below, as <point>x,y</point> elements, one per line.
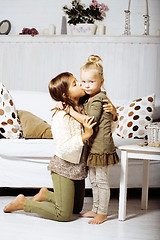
<point>33,126</point>
<point>27,149</point>
<point>36,102</point>
<point>10,126</point>
<point>134,117</point>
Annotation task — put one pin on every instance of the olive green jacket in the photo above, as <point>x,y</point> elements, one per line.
<point>101,145</point>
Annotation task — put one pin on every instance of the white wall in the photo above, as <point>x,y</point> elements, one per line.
<point>41,13</point>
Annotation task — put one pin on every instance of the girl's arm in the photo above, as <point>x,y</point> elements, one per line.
<point>109,107</point>
<point>95,109</point>
<point>78,116</point>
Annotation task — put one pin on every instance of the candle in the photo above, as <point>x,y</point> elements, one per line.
<point>45,31</point>
<point>101,29</point>
<point>147,7</point>
<point>158,32</point>
<point>129,3</point>
<point>51,29</point>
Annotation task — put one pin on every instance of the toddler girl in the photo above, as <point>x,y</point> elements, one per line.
<point>102,152</point>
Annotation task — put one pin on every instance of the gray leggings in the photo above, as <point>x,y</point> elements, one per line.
<point>100,188</point>
<point>67,198</point>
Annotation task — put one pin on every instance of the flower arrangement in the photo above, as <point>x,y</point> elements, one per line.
<point>79,13</point>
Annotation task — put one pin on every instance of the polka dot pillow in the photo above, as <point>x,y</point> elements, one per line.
<point>134,117</point>
<point>10,126</point>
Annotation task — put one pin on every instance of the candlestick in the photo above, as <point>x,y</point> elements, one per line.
<point>146,25</point>
<point>129,3</point>
<point>146,7</point>
<point>127,23</point>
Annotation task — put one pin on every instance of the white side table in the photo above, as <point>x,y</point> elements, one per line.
<point>135,152</point>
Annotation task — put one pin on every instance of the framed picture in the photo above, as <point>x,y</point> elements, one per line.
<point>5,27</point>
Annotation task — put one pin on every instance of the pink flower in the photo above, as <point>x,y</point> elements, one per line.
<point>103,6</point>
<point>95,3</point>
<point>103,13</point>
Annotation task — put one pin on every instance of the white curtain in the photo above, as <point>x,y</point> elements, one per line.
<point>131,68</point>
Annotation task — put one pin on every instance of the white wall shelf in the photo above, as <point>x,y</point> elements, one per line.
<point>79,39</point>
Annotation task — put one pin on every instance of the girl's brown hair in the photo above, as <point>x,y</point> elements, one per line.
<point>93,64</point>
<point>58,88</point>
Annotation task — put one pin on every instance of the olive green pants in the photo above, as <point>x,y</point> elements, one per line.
<point>67,198</point>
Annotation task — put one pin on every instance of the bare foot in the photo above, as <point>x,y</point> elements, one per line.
<point>16,204</point>
<point>98,219</point>
<point>88,214</point>
<point>40,196</point>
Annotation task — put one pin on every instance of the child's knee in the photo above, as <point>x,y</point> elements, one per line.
<point>64,216</point>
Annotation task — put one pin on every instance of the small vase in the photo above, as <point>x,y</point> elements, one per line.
<point>83,29</point>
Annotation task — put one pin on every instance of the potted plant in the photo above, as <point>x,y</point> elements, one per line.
<point>82,19</point>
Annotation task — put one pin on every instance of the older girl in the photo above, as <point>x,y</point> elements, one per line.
<point>68,166</point>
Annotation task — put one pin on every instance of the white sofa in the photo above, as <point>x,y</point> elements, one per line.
<point>23,162</point>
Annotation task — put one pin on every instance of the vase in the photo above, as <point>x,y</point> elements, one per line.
<point>83,29</point>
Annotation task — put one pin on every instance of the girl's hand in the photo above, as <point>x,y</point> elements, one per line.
<point>109,107</point>
<point>62,106</point>
<point>88,125</point>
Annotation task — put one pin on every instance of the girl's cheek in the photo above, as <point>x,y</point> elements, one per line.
<point>83,86</point>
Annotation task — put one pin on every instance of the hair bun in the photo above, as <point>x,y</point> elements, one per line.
<point>94,58</point>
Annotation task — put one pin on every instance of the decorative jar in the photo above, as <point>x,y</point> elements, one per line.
<point>83,29</point>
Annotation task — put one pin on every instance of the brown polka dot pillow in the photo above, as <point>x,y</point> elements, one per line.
<point>134,117</point>
<point>10,126</point>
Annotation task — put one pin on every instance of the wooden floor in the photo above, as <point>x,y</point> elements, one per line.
<point>140,224</point>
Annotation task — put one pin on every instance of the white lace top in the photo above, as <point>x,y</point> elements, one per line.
<point>68,160</point>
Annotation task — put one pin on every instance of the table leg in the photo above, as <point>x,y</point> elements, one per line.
<point>123,186</point>
<point>145,183</point>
